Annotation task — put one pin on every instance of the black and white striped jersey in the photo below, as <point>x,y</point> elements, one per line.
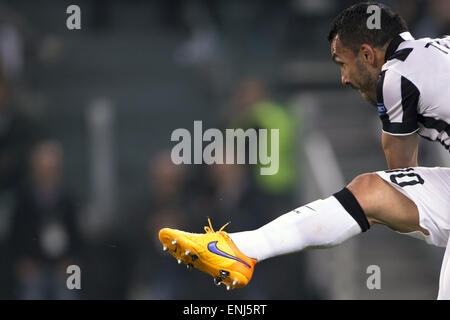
<point>413,91</point>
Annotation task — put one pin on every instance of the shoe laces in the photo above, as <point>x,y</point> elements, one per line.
<point>210,228</point>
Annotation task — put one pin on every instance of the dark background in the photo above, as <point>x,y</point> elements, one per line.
<point>85,123</point>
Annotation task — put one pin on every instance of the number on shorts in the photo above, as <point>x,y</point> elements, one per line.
<point>402,173</point>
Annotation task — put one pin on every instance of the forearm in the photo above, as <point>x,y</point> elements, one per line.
<point>400,151</point>
<point>396,160</point>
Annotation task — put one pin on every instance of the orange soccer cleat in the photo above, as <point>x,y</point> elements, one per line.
<point>211,252</point>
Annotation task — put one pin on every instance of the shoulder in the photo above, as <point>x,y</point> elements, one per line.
<point>394,85</point>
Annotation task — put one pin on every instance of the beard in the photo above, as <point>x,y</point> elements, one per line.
<point>367,84</point>
<point>369,98</point>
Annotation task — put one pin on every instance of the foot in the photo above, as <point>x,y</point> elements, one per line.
<point>211,252</point>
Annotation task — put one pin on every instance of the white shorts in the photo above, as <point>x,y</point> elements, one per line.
<point>429,189</point>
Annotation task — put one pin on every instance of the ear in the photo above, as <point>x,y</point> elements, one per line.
<point>368,53</point>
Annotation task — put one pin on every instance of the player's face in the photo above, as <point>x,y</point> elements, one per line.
<point>355,71</point>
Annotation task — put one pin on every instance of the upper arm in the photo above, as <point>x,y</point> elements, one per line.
<point>398,100</point>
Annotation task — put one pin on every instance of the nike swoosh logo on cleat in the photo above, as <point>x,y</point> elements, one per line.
<point>212,246</point>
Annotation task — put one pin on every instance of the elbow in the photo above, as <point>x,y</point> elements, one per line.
<point>401,165</point>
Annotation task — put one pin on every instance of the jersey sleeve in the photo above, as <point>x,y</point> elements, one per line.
<point>397,102</point>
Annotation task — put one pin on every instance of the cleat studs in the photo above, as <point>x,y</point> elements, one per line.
<point>194,258</point>
<point>217,281</point>
<point>189,266</point>
<point>228,288</point>
<point>165,248</point>
<point>224,274</point>
<point>174,242</point>
<point>187,252</point>
<point>179,261</point>
<point>235,282</point>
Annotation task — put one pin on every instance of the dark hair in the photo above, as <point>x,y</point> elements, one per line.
<point>351,26</point>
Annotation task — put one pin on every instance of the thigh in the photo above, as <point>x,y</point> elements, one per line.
<point>429,190</point>
<point>384,204</point>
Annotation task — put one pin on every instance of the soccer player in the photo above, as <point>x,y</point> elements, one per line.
<point>409,81</point>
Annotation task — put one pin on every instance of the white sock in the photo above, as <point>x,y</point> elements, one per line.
<point>319,224</point>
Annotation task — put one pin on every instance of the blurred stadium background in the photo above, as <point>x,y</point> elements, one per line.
<point>85,124</point>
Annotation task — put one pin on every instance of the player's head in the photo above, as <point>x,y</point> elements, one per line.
<point>359,50</point>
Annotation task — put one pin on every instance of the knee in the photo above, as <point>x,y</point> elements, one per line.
<point>365,184</point>
<point>367,189</point>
